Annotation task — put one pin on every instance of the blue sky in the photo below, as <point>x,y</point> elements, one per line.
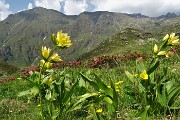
<point>17,5</point>
<point>150,8</point>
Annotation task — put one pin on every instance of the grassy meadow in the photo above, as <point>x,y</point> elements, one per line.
<point>131,86</point>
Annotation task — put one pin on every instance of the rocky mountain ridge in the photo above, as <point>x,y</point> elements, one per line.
<point>23,34</point>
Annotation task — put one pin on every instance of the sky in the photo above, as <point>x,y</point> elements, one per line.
<point>151,8</point>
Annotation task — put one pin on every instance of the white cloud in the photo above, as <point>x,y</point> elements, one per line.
<point>147,7</point>
<point>30,6</point>
<point>4,10</point>
<point>49,4</point>
<point>74,7</point>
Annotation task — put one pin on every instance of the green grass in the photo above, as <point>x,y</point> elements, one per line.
<point>12,107</point>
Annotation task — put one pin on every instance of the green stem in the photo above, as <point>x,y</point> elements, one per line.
<point>40,86</point>
<point>40,94</point>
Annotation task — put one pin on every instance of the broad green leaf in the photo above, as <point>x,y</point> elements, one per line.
<point>143,114</point>
<point>163,44</point>
<point>173,93</point>
<point>153,67</point>
<point>108,100</point>
<point>55,113</point>
<point>69,93</point>
<point>102,86</point>
<point>82,83</point>
<point>175,104</point>
<point>141,88</point>
<point>33,91</point>
<point>84,97</point>
<point>62,92</point>
<point>48,95</point>
<point>93,110</point>
<point>130,76</point>
<point>163,98</point>
<point>24,93</point>
<point>93,84</point>
<point>111,108</point>
<point>141,67</point>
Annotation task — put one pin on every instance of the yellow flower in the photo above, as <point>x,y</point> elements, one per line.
<point>61,40</point>
<point>162,53</point>
<point>116,87</point>
<point>155,49</point>
<point>44,64</point>
<point>166,37</point>
<point>144,75</point>
<point>99,110</point>
<point>55,57</point>
<point>117,90</point>
<point>45,52</point>
<point>48,80</point>
<point>109,86</point>
<point>173,40</point>
<point>39,105</point>
<point>169,54</point>
<point>118,83</point>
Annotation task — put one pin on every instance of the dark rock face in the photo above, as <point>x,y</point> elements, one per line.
<point>5,53</point>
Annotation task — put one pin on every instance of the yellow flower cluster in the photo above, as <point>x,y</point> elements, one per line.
<point>172,39</point>
<point>49,56</point>
<point>62,40</point>
<point>116,85</point>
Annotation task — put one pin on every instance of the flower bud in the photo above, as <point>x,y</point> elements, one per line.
<point>166,37</point>
<point>155,49</point>
<point>161,53</point>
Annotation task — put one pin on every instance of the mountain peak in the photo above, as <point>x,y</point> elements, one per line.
<point>168,15</point>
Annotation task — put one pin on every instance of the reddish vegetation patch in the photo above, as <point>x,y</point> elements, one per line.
<point>7,79</point>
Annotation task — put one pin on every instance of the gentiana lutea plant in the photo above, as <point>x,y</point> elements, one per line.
<point>152,87</point>
<point>48,85</point>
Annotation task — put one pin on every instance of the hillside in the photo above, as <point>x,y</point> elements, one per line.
<point>23,34</point>
<point>124,42</point>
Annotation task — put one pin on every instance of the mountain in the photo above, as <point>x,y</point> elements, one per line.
<point>23,34</point>
<point>168,15</point>
<point>127,40</point>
